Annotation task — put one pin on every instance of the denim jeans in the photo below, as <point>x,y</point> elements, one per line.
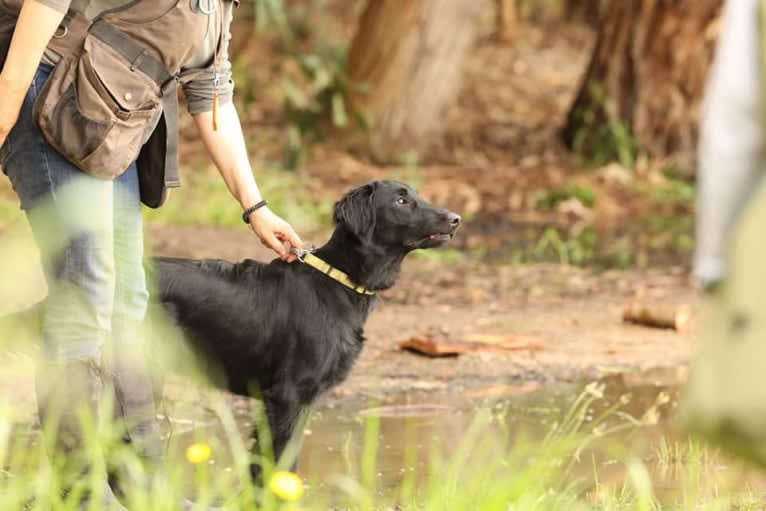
<point>90,236</point>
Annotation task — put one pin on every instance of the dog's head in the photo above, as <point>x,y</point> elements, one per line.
<point>391,215</point>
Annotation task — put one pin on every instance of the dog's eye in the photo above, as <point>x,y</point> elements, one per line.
<point>401,201</point>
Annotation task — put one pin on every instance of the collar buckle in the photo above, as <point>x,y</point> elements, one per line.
<point>330,271</point>
<point>301,253</point>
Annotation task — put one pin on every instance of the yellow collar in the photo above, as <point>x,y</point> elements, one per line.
<point>334,273</point>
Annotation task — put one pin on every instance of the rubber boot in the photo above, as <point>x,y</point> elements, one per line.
<point>136,409</point>
<point>68,396</point>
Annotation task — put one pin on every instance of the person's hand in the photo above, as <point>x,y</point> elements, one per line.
<point>275,233</point>
<point>13,97</point>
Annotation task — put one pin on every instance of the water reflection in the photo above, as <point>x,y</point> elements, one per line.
<point>414,429</point>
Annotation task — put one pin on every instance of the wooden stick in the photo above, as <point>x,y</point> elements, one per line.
<point>489,343</point>
<point>676,317</point>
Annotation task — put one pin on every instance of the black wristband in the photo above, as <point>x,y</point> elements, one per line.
<point>249,211</point>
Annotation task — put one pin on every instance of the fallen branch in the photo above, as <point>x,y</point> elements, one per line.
<point>433,346</point>
<point>676,317</point>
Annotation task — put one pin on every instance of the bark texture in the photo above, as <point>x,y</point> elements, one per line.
<point>506,20</point>
<point>583,11</point>
<point>407,59</point>
<point>646,76</point>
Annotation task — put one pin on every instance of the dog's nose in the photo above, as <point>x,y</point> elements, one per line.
<point>453,219</point>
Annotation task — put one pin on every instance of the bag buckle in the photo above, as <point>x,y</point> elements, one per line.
<point>61,31</point>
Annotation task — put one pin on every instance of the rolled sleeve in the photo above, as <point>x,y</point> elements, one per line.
<point>199,80</point>
<point>201,90</point>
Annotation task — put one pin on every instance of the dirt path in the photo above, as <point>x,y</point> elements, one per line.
<point>575,313</point>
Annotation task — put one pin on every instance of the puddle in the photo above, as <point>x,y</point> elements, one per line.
<point>412,427</point>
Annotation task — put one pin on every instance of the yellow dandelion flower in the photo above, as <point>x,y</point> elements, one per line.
<point>286,485</point>
<point>198,453</point>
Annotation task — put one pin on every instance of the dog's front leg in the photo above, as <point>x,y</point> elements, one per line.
<point>285,417</point>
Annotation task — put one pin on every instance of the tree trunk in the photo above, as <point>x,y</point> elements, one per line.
<point>583,11</point>
<point>644,85</point>
<point>506,20</point>
<point>406,60</point>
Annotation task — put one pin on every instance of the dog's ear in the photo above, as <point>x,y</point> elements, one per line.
<point>356,212</point>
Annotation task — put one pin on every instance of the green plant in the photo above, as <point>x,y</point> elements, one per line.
<point>272,15</point>
<point>553,198</point>
<point>578,249</point>
<point>602,136</point>
<point>675,191</point>
<point>321,94</point>
<point>318,92</point>
<point>410,172</point>
<point>445,255</point>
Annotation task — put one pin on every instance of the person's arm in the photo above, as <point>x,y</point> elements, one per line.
<point>36,25</point>
<point>732,136</point>
<point>226,147</point>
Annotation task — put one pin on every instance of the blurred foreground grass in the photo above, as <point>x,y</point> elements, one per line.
<point>491,466</point>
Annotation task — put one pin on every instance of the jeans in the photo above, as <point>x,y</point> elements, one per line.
<point>90,236</point>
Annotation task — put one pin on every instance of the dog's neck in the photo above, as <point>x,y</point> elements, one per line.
<point>366,265</point>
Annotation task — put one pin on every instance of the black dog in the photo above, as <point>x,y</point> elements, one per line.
<point>285,333</point>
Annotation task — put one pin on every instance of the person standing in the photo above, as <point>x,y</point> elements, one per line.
<point>725,399</point>
<point>85,217</point>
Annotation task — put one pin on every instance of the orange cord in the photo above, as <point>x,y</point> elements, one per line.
<point>215,112</point>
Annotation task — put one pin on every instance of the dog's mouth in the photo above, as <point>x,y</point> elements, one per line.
<point>433,240</point>
<point>439,237</point>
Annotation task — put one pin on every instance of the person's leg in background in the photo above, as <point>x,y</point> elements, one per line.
<point>71,216</point>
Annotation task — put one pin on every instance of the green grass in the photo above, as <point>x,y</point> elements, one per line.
<point>553,198</point>
<point>441,255</point>
<point>677,192</point>
<point>204,200</point>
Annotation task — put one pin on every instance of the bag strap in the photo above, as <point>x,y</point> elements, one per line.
<point>170,112</point>
<point>135,53</point>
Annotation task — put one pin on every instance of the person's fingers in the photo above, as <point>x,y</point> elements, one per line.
<point>292,237</point>
<point>271,241</point>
